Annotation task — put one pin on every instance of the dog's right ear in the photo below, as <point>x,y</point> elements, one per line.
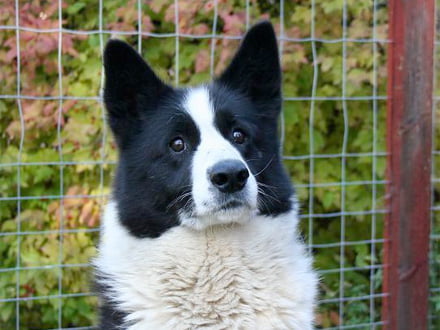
<point>255,69</point>
<point>131,88</point>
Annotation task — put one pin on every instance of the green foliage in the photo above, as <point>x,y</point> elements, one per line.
<point>74,131</point>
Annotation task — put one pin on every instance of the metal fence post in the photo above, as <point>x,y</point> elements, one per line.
<point>410,69</point>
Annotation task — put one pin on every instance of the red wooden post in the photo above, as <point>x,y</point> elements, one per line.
<point>410,76</point>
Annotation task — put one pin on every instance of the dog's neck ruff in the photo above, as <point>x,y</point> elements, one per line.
<point>255,275</point>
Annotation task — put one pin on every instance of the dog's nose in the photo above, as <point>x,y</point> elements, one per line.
<point>229,176</point>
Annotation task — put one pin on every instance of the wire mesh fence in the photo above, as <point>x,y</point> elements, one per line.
<point>57,156</point>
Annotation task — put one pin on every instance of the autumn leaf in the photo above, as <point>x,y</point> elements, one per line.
<point>202,61</point>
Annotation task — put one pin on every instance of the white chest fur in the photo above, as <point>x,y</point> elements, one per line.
<point>252,276</point>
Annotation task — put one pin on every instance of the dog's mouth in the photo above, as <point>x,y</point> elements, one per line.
<point>231,209</point>
<point>226,210</point>
<point>230,205</point>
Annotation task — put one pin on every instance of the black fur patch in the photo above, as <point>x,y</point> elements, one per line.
<point>145,115</point>
<point>110,318</point>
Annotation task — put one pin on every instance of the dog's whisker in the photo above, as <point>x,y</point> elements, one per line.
<point>265,167</point>
<point>270,188</point>
<point>263,203</point>
<point>178,199</point>
<point>267,195</point>
<point>265,185</point>
<point>189,201</point>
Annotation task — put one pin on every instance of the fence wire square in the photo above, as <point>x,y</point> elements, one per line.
<point>57,155</point>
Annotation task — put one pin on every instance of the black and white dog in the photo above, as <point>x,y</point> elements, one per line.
<point>201,232</point>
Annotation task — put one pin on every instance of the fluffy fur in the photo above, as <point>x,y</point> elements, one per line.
<point>179,250</point>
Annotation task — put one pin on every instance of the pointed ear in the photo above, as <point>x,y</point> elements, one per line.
<point>131,88</point>
<point>255,69</point>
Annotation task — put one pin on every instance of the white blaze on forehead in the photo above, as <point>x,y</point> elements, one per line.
<point>198,105</point>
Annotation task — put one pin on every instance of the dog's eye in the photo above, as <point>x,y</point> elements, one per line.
<point>177,145</point>
<point>238,136</point>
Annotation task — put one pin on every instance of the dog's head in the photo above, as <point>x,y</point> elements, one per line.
<point>199,156</point>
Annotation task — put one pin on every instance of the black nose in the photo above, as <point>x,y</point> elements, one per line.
<point>229,176</point>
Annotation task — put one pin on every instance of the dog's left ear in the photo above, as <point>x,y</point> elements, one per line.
<point>255,69</point>
<point>131,89</point>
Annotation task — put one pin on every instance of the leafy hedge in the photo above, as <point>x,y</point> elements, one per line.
<point>73,131</point>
